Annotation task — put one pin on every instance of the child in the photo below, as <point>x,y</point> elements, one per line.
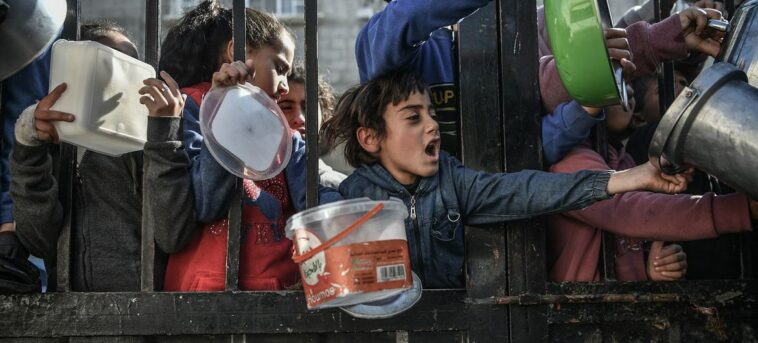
<point>107,191</point>
<point>390,131</point>
<point>292,105</point>
<point>199,45</point>
<point>574,237</point>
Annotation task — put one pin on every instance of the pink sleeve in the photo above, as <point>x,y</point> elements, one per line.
<point>654,216</point>
<point>551,87</point>
<point>652,44</point>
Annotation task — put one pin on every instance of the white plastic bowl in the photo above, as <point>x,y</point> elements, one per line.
<point>102,94</point>
<point>245,131</point>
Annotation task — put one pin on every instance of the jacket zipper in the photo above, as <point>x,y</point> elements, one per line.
<point>417,237</point>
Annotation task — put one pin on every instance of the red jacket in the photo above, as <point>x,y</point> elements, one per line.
<point>265,252</point>
<point>573,238</point>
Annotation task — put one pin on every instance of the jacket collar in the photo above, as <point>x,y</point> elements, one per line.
<point>378,175</point>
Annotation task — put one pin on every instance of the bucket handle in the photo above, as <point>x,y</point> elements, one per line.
<point>665,129</point>
<point>362,220</point>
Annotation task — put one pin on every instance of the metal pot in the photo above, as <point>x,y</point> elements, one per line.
<point>575,30</point>
<point>27,27</point>
<point>740,46</point>
<point>713,126</point>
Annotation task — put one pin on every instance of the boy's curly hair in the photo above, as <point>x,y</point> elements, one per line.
<point>192,48</point>
<point>364,106</point>
<point>325,91</point>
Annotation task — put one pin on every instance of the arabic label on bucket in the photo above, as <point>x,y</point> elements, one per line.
<point>348,270</point>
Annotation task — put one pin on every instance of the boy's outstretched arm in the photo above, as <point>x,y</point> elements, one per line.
<point>652,216</point>
<point>489,198</point>
<point>394,36</point>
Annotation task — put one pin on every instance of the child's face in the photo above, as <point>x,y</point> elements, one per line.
<point>272,63</point>
<point>411,146</point>
<point>292,105</point>
<point>652,110</point>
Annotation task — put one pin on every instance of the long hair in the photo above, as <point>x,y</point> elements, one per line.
<point>192,50</point>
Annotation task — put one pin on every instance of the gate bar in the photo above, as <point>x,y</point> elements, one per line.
<point>235,205</point>
<point>311,103</point>
<point>666,77</point>
<point>152,56</point>
<point>66,168</point>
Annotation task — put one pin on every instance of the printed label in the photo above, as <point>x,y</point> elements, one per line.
<point>355,268</point>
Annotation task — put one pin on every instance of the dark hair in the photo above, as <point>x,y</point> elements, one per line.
<point>325,91</point>
<point>192,48</point>
<point>364,106</point>
<point>98,31</point>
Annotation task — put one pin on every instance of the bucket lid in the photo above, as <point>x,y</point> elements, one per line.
<point>245,131</point>
<point>389,307</point>
<point>339,208</point>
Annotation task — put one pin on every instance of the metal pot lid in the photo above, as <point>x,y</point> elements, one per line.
<point>390,307</point>
<point>29,27</point>
<point>575,30</point>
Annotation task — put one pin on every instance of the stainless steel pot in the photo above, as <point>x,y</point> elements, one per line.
<point>713,125</point>
<point>28,27</point>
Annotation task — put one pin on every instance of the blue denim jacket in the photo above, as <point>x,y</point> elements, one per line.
<point>458,196</point>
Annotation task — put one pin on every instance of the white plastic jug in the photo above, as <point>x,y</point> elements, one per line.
<point>102,94</point>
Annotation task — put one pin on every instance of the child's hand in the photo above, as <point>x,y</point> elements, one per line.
<point>44,116</point>
<point>162,99</point>
<point>716,5</point>
<point>235,72</point>
<point>694,21</point>
<point>666,263</point>
<point>647,177</point>
<point>618,49</point>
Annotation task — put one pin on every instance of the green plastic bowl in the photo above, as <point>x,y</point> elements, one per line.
<point>575,29</point>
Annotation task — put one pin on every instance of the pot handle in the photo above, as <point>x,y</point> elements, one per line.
<point>663,133</point>
<point>362,220</point>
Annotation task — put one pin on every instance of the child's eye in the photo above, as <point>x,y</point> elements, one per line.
<point>414,117</point>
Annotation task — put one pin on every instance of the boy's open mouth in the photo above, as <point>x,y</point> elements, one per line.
<point>432,148</point>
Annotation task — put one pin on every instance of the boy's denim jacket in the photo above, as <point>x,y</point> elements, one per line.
<point>456,196</point>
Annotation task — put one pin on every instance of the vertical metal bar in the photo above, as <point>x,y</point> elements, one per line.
<point>729,7</point>
<point>152,52</point>
<point>153,32</point>
<point>311,103</point>
<point>482,148</point>
<point>521,104</point>
<point>235,204</point>
<point>666,77</point>
<point>608,241</point>
<point>66,169</point>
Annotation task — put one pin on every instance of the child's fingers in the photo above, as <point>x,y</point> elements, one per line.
<point>49,100</point>
<point>52,115</point>
<point>672,267</point>
<point>615,33</point>
<point>46,131</point>
<point>172,84</point>
<point>242,72</point>
<point>617,43</point>
<point>157,95</point>
<point>674,274</point>
<point>619,54</point>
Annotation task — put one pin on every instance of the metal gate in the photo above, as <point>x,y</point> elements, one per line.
<point>507,297</point>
